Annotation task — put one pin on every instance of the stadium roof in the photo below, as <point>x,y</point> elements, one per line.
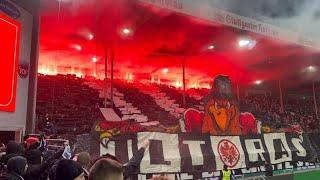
<point>150,40</point>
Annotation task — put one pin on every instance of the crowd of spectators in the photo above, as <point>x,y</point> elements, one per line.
<point>177,95</point>
<point>33,160</point>
<point>297,112</point>
<point>65,104</point>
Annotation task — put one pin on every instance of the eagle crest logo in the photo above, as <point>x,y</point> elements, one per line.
<point>229,153</point>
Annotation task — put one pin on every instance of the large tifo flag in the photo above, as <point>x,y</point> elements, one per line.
<point>9,55</point>
<point>194,153</point>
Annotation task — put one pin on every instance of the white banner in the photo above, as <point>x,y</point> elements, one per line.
<point>190,153</point>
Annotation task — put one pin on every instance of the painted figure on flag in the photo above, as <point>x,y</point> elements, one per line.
<point>221,114</point>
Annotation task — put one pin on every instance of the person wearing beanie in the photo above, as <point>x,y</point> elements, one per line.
<point>16,168</point>
<point>37,169</point>
<point>69,170</point>
<point>14,148</point>
<point>32,143</point>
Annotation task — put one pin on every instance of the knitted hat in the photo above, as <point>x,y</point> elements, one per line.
<point>15,148</point>
<point>68,169</point>
<point>32,140</point>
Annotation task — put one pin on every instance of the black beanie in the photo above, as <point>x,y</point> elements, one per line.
<point>14,148</point>
<point>34,156</point>
<point>68,170</point>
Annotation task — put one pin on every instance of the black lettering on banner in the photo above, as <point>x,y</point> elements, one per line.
<point>121,151</point>
<point>195,154</point>
<point>256,152</point>
<point>191,159</point>
<point>165,148</point>
<point>121,147</point>
<point>298,147</point>
<point>280,150</point>
<point>156,152</point>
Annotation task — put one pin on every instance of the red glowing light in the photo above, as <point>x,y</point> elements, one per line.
<point>178,84</point>
<point>165,70</point>
<point>129,77</point>
<point>147,48</point>
<point>211,47</point>
<point>90,36</point>
<point>10,43</point>
<point>94,59</point>
<point>77,47</point>
<point>126,31</point>
<point>244,42</point>
<point>257,82</point>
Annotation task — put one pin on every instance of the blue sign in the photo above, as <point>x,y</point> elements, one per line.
<point>9,8</point>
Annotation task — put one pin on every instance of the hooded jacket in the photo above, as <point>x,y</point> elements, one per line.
<point>16,168</point>
<point>37,169</point>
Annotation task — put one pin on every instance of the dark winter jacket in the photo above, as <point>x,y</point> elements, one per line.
<point>36,169</point>
<point>16,168</point>
<point>133,165</point>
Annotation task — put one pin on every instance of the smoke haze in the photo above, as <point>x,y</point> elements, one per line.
<point>301,16</point>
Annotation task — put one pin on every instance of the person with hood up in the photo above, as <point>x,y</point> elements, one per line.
<point>13,149</point>
<point>37,168</point>
<point>16,168</point>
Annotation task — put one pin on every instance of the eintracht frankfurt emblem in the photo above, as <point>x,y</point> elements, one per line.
<point>229,153</point>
